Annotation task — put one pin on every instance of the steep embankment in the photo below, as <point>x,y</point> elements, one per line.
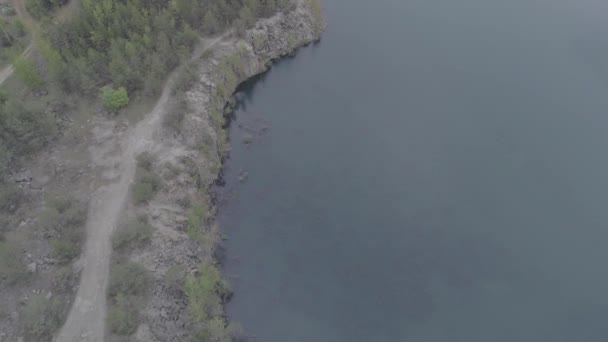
<point>188,160</point>
<point>196,150</point>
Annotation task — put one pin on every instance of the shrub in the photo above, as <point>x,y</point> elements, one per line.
<point>206,294</point>
<point>151,178</point>
<point>186,78</point>
<point>40,8</point>
<point>145,160</point>
<point>65,250</point>
<point>42,317</point>
<point>317,13</point>
<point>114,99</point>
<point>128,278</point>
<point>197,215</point>
<point>135,233</point>
<point>25,127</point>
<point>176,114</point>
<point>65,217</point>
<point>123,317</point>
<point>174,277</point>
<point>63,278</point>
<point>60,203</point>
<point>10,197</point>
<point>12,268</point>
<point>146,186</point>
<point>142,193</point>
<point>18,28</point>
<point>217,330</point>
<point>28,73</point>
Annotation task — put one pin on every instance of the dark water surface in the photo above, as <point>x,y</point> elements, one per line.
<point>434,170</point>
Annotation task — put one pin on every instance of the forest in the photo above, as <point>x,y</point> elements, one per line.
<point>134,43</point>
<point>127,45</point>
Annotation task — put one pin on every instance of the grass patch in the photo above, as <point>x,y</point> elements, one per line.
<point>175,116</point>
<point>175,277</point>
<point>10,197</point>
<point>146,186</point>
<point>206,294</point>
<point>147,183</point>
<point>186,78</point>
<point>42,317</point>
<point>65,250</point>
<point>12,268</point>
<point>128,278</point>
<point>146,160</point>
<point>134,234</point>
<point>64,218</point>
<point>123,316</point>
<point>129,284</point>
<point>198,228</point>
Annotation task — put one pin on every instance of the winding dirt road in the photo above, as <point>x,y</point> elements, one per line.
<point>86,320</point>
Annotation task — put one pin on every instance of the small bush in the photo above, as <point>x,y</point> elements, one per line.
<point>128,278</point>
<point>26,127</point>
<point>217,330</point>
<point>10,197</point>
<point>197,215</point>
<point>65,250</point>
<point>206,294</point>
<point>114,99</point>
<point>123,317</point>
<point>152,179</point>
<point>176,114</point>
<point>60,203</point>
<point>134,234</point>
<point>146,160</point>
<point>146,186</point>
<point>12,268</point>
<point>186,78</point>
<point>42,317</point>
<point>175,277</point>
<point>65,215</point>
<point>142,193</point>
<point>65,218</point>
<point>63,278</point>
<point>28,73</point>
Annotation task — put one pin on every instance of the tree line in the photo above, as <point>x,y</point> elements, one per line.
<point>135,43</point>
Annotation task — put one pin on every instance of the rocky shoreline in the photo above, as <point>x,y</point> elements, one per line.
<point>189,160</point>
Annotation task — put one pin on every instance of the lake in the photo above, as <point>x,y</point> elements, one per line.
<point>433,170</point>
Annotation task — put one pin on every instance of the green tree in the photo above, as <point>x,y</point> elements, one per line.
<point>27,72</point>
<point>114,99</point>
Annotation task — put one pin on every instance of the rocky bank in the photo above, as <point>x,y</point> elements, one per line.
<point>188,159</point>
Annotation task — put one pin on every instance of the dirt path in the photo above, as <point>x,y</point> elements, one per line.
<point>115,156</point>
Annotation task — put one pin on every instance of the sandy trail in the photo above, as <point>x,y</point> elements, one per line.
<point>7,71</point>
<point>86,320</point>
